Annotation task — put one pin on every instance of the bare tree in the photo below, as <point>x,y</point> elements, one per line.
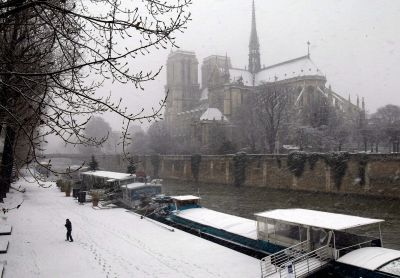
<point>247,129</point>
<point>48,51</point>
<point>160,139</point>
<point>389,117</point>
<point>271,113</point>
<point>97,130</point>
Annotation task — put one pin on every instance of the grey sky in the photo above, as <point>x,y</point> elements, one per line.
<point>355,43</point>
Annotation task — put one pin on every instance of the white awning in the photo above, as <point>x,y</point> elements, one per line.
<point>320,219</point>
<point>109,175</point>
<point>230,223</point>
<point>370,257</point>
<point>185,197</point>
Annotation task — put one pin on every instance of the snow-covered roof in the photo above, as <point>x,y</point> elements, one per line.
<point>236,74</point>
<point>139,185</point>
<point>109,175</point>
<point>230,223</point>
<point>370,257</point>
<point>202,107</point>
<point>185,197</point>
<point>213,114</point>
<point>204,94</point>
<point>321,219</point>
<point>298,67</point>
<point>302,66</point>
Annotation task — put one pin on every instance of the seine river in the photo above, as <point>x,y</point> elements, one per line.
<point>244,201</point>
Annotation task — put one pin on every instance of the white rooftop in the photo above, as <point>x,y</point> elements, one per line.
<point>185,197</point>
<point>321,219</point>
<point>299,67</point>
<point>246,76</point>
<point>213,114</point>
<point>138,185</point>
<point>370,257</point>
<point>230,223</point>
<point>109,175</point>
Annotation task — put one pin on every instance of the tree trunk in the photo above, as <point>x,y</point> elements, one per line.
<point>7,162</point>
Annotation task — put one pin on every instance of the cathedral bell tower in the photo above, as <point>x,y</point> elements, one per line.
<point>182,87</point>
<point>254,45</point>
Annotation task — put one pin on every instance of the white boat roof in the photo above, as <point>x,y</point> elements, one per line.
<point>185,197</point>
<point>321,219</point>
<point>230,223</point>
<point>109,175</point>
<point>370,258</point>
<point>135,185</point>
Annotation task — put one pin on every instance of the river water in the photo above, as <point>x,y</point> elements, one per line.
<point>244,201</point>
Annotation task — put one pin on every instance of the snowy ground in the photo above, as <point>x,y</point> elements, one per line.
<point>108,243</point>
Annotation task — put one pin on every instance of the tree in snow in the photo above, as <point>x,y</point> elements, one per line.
<point>50,49</point>
<point>271,103</point>
<point>389,118</point>
<point>97,130</point>
<point>93,164</point>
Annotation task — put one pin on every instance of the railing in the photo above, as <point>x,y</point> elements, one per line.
<point>308,263</point>
<point>343,251</point>
<point>275,262</point>
<point>292,262</point>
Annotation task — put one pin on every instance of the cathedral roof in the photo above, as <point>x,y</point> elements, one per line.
<point>212,114</point>
<point>245,75</point>
<point>299,67</point>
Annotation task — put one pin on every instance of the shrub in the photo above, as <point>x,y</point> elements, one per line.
<point>239,168</point>
<point>195,166</point>
<point>296,163</point>
<point>338,163</point>
<point>67,188</point>
<point>313,159</point>
<point>155,162</point>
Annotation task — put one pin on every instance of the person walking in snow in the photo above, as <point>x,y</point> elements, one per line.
<point>68,225</point>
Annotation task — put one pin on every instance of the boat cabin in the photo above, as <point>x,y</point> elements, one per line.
<point>315,229</point>
<point>139,194</point>
<point>104,179</point>
<point>185,202</point>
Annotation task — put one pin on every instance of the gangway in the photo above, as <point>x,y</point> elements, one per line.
<point>293,262</point>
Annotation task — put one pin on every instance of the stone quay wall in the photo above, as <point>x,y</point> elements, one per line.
<point>376,174</point>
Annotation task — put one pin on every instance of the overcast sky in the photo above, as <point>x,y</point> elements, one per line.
<point>355,43</point>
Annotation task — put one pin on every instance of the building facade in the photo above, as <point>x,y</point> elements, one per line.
<point>200,114</point>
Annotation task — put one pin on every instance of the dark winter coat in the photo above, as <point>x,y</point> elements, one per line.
<point>68,225</point>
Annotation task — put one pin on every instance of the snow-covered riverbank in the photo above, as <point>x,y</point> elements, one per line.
<point>108,243</point>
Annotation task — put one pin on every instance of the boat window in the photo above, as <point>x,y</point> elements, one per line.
<point>285,234</point>
<point>318,237</point>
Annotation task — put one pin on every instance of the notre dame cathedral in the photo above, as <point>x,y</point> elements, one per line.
<point>201,115</point>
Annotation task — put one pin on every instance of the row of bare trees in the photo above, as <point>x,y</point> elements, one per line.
<point>55,54</point>
<point>382,130</point>
<point>268,119</point>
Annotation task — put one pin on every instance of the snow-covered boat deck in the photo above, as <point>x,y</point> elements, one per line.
<point>227,222</point>
<point>107,243</point>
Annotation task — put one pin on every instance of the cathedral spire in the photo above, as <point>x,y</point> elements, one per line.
<point>226,69</point>
<point>254,45</point>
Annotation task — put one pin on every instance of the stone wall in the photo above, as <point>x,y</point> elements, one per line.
<point>378,176</point>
